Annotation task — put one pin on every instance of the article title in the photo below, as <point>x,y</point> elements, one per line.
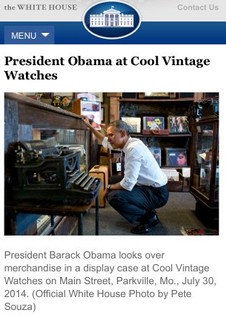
<point>79,61</point>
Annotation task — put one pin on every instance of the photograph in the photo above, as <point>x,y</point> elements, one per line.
<point>92,110</point>
<point>157,95</point>
<point>134,123</point>
<point>56,166</point>
<point>178,124</point>
<point>176,157</point>
<point>157,154</point>
<point>153,123</point>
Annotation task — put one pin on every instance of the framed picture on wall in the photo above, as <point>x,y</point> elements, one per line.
<point>176,157</point>
<point>153,123</point>
<point>157,95</point>
<point>157,153</point>
<point>134,123</point>
<point>178,124</point>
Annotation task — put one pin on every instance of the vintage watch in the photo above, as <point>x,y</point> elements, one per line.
<point>109,186</point>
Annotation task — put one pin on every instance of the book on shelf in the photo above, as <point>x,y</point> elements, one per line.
<point>178,124</point>
<point>153,123</point>
<point>134,123</point>
<point>176,157</point>
<point>157,153</point>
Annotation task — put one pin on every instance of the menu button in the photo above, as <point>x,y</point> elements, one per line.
<point>29,34</point>
<point>23,35</point>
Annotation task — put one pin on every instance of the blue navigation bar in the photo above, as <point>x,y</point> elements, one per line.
<point>29,34</point>
<point>148,33</point>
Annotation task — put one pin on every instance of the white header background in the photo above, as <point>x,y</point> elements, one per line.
<point>151,10</point>
<point>197,250</point>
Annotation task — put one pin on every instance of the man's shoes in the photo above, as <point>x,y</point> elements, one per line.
<point>145,228</point>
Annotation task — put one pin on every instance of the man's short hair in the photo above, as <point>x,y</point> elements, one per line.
<point>120,125</point>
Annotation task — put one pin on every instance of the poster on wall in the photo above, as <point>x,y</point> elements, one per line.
<point>176,157</point>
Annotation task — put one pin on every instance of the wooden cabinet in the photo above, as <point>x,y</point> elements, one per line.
<point>27,119</point>
<point>205,163</point>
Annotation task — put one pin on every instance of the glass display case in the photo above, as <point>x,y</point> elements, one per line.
<point>205,163</point>
<point>28,119</point>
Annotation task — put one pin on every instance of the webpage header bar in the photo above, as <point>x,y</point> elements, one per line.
<point>147,33</point>
<point>74,10</point>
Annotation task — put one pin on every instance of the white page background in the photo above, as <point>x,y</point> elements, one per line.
<point>178,249</point>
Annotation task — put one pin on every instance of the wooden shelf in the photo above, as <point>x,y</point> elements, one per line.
<point>41,115</point>
<point>184,135</point>
<point>159,100</point>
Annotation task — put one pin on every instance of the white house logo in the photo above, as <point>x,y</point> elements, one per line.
<point>111,20</point>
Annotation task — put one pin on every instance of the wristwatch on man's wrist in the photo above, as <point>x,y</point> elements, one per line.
<point>109,186</point>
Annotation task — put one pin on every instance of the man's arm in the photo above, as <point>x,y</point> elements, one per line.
<point>98,134</point>
<point>116,186</point>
